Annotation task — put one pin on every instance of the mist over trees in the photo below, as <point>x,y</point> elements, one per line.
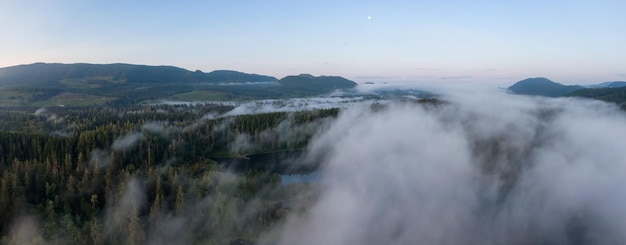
<point>143,174</point>
<point>484,168</point>
<point>481,168</point>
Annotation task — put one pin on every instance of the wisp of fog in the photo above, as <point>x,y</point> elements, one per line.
<point>476,169</point>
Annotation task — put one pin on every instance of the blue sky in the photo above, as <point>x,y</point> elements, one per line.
<point>567,41</point>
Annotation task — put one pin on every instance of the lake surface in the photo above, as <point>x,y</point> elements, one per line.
<point>288,179</point>
<point>283,163</point>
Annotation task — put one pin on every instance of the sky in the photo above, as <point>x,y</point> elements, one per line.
<point>570,42</point>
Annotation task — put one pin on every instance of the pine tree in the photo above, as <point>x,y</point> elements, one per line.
<point>95,174</point>
<point>180,200</point>
<point>84,182</point>
<point>5,200</point>
<point>135,233</point>
<point>108,181</point>
<point>95,232</point>
<point>155,209</point>
<point>94,203</point>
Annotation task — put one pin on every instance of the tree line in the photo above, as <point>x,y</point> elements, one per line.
<point>110,175</point>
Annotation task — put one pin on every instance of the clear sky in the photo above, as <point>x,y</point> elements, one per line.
<point>568,41</point>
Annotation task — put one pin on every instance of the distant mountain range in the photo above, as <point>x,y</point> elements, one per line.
<point>614,91</point>
<point>67,75</point>
<point>44,83</point>
<point>615,84</point>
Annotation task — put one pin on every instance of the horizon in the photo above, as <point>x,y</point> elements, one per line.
<point>570,42</point>
<point>396,122</point>
<point>444,82</point>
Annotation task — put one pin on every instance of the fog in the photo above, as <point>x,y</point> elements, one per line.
<point>48,115</point>
<point>475,168</point>
<point>287,131</point>
<point>481,168</point>
<point>127,141</point>
<point>288,105</point>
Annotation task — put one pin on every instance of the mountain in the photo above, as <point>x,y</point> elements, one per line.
<point>321,84</point>
<point>41,84</point>
<point>609,94</point>
<point>542,86</point>
<point>614,92</point>
<point>614,84</point>
<point>67,75</point>
<point>225,76</point>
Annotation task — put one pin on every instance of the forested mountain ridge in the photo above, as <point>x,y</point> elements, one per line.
<point>612,84</point>
<point>542,86</point>
<point>71,75</point>
<point>614,91</point>
<point>610,94</point>
<point>312,84</point>
<point>304,80</point>
<point>43,84</point>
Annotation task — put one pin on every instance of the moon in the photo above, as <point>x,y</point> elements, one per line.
<point>369,17</point>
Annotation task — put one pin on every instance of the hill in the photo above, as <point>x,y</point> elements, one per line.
<point>609,94</point>
<point>42,83</point>
<point>542,86</point>
<point>225,76</point>
<point>312,84</point>
<point>613,84</point>
<point>614,91</point>
<point>72,75</point>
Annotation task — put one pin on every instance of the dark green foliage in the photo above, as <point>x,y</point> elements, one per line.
<point>124,84</point>
<point>616,95</point>
<point>70,177</point>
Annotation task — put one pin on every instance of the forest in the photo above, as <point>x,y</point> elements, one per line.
<point>157,174</point>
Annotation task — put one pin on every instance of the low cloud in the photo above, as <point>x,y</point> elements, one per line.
<point>162,128</point>
<point>122,215</point>
<point>291,105</point>
<point>25,230</point>
<point>456,77</point>
<point>50,116</point>
<point>242,144</point>
<point>127,141</point>
<point>373,77</point>
<point>480,169</point>
<point>98,157</point>
<point>40,111</point>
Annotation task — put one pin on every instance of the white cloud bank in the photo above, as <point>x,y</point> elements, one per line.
<point>482,169</point>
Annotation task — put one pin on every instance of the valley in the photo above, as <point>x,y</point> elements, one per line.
<point>258,163</point>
